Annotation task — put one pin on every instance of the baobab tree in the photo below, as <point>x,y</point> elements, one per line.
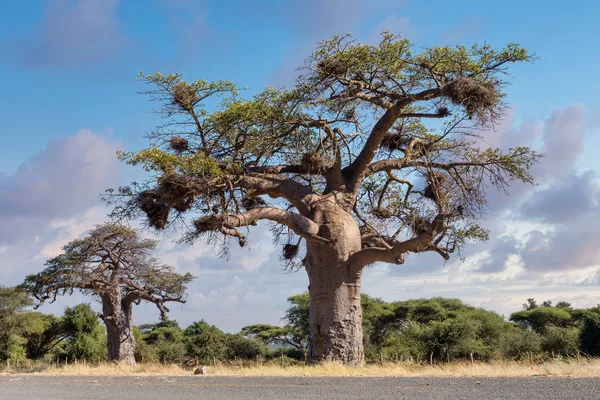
<point>370,156</point>
<point>114,264</point>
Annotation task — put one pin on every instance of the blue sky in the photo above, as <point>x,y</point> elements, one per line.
<point>68,100</point>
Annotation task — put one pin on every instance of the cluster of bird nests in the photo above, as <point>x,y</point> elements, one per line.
<point>184,96</point>
<point>476,97</point>
<point>174,191</point>
<point>290,251</point>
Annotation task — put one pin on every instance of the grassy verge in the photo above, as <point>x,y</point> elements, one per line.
<point>586,368</point>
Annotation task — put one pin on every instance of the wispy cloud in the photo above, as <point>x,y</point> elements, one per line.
<point>71,34</point>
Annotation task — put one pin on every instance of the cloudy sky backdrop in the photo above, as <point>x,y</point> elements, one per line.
<point>68,100</point>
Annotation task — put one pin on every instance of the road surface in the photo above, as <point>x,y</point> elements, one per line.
<point>28,387</point>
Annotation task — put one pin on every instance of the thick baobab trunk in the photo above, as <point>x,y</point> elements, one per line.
<point>119,329</point>
<point>335,328</point>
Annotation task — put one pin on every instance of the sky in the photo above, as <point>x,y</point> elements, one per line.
<point>69,100</point>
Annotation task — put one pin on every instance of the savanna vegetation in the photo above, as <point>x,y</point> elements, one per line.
<point>422,331</point>
<point>375,154</point>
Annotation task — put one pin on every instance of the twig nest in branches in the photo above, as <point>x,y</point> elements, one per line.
<point>290,251</point>
<point>419,224</point>
<point>313,162</point>
<point>174,191</point>
<point>443,111</point>
<point>179,191</point>
<point>178,144</point>
<point>382,213</point>
<point>331,67</point>
<point>249,202</point>
<point>435,184</point>
<point>476,97</point>
<point>350,115</point>
<point>155,209</point>
<point>183,95</point>
<point>393,141</point>
<point>207,224</point>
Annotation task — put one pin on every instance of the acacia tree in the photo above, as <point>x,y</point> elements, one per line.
<point>370,156</point>
<point>117,266</point>
<point>271,334</point>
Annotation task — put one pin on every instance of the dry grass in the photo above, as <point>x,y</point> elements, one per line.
<point>576,369</point>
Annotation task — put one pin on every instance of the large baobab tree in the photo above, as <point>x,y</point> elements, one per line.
<point>117,266</point>
<point>369,157</point>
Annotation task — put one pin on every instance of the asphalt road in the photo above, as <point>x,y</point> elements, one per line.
<point>209,388</point>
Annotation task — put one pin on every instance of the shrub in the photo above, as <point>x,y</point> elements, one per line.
<point>520,343</point>
<point>590,332</point>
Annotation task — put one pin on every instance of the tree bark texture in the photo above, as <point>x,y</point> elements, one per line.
<point>119,328</point>
<point>335,327</point>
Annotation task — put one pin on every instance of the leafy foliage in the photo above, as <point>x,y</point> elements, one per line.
<point>85,337</point>
<point>542,318</point>
<point>590,332</point>
<point>111,258</point>
<point>355,123</point>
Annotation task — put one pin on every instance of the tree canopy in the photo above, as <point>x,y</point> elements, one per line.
<point>110,256</point>
<point>113,263</point>
<point>355,126</point>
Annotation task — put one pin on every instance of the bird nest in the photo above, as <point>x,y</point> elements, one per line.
<point>443,111</point>
<point>207,224</point>
<point>478,98</point>
<point>157,211</point>
<point>184,96</point>
<point>180,191</point>
<point>174,191</point>
<point>435,185</point>
<point>178,144</point>
<point>327,68</point>
<point>419,225</point>
<point>393,141</point>
<point>249,202</point>
<point>313,163</point>
<point>290,251</point>
<point>382,212</point>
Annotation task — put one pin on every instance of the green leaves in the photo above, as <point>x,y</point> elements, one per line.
<point>354,106</point>
<point>111,259</point>
<point>154,159</point>
<point>540,319</point>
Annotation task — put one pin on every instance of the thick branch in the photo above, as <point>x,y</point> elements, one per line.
<point>277,186</point>
<point>227,224</point>
<point>393,252</point>
<point>355,173</point>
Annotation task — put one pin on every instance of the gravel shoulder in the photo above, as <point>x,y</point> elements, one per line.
<point>274,388</point>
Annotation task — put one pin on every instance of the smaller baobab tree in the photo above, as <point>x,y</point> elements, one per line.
<point>113,263</point>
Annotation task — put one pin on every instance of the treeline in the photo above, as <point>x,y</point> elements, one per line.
<point>424,330</point>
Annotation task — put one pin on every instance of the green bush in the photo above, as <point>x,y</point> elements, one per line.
<point>519,344</point>
<point>590,332</point>
<point>560,341</point>
<point>244,349</point>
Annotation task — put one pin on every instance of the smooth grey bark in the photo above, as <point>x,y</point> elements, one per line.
<point>335,315</point>
<point>119,328</point>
